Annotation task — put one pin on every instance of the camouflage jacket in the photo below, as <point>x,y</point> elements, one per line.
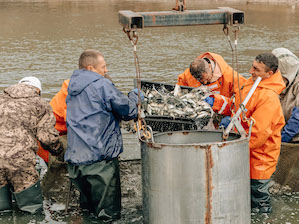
<point>25,118</point>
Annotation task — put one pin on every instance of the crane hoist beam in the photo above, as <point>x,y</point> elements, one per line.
<point>139,20</point>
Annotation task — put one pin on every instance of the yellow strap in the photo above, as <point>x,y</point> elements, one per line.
<point>253,120</point>
<point>147,134</point>
<point>142,127</point>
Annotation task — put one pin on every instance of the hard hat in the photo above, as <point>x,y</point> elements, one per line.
<point>33,81</point>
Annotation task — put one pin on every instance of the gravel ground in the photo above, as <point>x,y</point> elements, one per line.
<point>56,187</point>
<point>56,191</point>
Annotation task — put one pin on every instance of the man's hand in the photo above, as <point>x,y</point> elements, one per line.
<point>209,100</point>
<point>55,149</point>
<point>141,94</point>
<point>225,121</point>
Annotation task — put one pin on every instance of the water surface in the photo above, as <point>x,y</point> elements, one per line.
<point>45,39</point>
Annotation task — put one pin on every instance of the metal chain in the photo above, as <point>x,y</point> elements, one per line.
<point>141,126</point>
<point>235,30</point>
<point>226,32</point>
<point>244,117</point>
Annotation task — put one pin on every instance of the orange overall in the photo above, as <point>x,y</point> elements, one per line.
<point>58,105</point>
<point>226,85</point>
<point>264,106</point>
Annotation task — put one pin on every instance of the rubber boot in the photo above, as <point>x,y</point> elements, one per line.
<point>30,200</point>
<point>260,196</point>
<point>5,199</point>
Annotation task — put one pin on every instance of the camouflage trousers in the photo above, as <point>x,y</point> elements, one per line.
<point>18,171</point>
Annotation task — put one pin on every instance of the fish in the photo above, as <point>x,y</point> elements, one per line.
<point>179,103</point>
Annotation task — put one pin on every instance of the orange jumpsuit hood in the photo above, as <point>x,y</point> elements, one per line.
<point>226,85</point>
<point>223,65</point>
<point>275,83</point>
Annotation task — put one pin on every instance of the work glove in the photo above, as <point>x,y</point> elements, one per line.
<point>225,121</point>
<point>209,100</point>
<point>141,94</point>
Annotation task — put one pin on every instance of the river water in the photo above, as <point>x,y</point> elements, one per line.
<point>45,39</point>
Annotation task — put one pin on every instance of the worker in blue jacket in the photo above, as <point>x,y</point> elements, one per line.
<point>94,110</point>
<point>289,98</point>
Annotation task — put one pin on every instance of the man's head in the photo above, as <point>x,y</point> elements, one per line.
<point>93,60</point>
<point>264,65</point>
<point>32,81</point>
<point>201,70</point>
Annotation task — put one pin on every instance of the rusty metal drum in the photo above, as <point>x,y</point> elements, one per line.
<point>192,177</point>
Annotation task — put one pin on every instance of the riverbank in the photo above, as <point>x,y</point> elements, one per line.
<point>56,185</point>
<point>56,191</point>
<point>58,195</point>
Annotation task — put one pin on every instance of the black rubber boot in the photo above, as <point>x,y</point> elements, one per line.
<point>260,196</point>
<point>100,190</point>
<point>266,209</point>
<point>30,200</point>
<point>5,199</point>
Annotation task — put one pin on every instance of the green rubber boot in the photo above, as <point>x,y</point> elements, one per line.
<point>30,200</point>
<point>5,199</point>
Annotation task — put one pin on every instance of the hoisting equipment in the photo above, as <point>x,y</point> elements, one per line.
<point>132,21</point>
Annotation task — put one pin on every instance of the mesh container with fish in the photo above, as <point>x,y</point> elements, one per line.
<point>170,107</point>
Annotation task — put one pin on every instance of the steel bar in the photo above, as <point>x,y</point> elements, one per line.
<point>139,20</point>
<point>130,20</point>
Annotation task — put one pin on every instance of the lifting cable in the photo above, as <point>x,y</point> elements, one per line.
<point>140,125</point>
<point>250,121</point>
<point>236,29</point>
<point>226,32</point>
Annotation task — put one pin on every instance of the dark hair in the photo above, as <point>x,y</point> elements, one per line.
<point>197,67</point>
<point>268,59</point>
<point>89,57</point>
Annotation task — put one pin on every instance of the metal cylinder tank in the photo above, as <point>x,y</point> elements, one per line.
<point>193,177</point>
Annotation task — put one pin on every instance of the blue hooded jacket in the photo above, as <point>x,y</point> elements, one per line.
<point>94,110</point>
